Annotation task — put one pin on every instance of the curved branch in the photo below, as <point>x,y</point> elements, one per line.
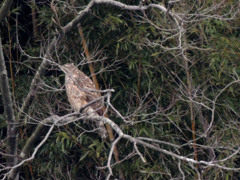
<point>156,148</point>
<point>36,80</point>
<point>45,63</point>
<point>131,7</point>
<point>63,120</point>
<point>30,142</point>
<point>4,9</point>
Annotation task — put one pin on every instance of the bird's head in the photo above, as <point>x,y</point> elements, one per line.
<point>68,68</point>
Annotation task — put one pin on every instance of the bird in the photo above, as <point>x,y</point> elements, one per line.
<point>82,92</point>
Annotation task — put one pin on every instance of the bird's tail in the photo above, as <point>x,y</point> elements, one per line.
<point>101,129</point>
<point>100,125</point>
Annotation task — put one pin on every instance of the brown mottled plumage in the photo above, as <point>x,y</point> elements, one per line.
<point>80,91</point>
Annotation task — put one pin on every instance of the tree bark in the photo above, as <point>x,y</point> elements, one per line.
<point>9,113</point>
<point>4,9</point>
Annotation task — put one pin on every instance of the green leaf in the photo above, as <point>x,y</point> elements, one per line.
<point>84,156</point>
<point>155,54</point>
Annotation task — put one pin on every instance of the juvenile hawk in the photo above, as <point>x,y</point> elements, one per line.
<point>80,91</point>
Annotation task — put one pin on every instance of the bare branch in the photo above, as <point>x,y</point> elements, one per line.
<point>5,9</point>
<point>8,109</point>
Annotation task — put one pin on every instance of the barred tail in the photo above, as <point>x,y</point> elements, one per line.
<point>101,129</point>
